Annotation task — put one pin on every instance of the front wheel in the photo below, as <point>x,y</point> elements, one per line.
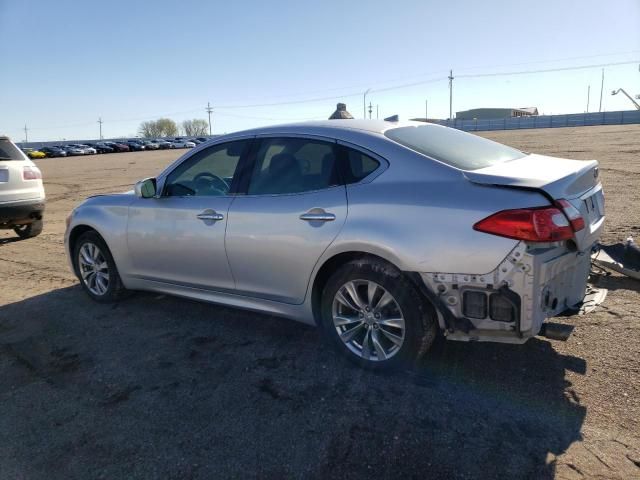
<point>376,317</point>
<point>96,269</point>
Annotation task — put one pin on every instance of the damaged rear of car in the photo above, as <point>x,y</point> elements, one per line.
<point>546,269</point>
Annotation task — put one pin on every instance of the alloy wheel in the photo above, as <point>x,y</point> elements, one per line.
<point>368,320</point>
<point>94,269</point>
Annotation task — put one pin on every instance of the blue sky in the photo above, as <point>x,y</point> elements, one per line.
<point>66,63</point>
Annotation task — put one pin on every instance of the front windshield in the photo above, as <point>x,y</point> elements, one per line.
<point>454,147</point>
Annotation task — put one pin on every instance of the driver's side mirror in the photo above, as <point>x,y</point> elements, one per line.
<point>146,188</point>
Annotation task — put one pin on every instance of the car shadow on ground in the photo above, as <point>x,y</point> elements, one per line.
<point>157,386</point>
<point>10,240</point>
<point>612,282</point>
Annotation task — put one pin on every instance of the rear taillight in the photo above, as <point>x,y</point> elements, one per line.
<point>572,213</point>
<point>31,173</point>
<point>547,224</point>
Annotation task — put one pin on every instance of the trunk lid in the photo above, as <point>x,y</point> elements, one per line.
<point>560,178</point>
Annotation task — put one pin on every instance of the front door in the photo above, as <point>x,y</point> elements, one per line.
<point>294,207</point>
<point>178,238</point>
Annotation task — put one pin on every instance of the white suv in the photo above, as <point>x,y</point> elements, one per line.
<point>21,191</point>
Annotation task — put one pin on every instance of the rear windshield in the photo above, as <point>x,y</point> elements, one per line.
<point>8,151</point>
<point>453,147</point>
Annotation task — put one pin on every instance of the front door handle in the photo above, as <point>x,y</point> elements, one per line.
<point>317,215</point>
<point>211,215</point>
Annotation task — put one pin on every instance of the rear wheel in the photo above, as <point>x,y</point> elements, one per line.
<point>30,230</point>
<point>96,269</point>
<point>372,314</point>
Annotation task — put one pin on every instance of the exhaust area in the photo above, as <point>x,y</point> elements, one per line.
<point>556,331</point>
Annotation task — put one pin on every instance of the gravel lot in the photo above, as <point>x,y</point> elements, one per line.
<point>160,387</point>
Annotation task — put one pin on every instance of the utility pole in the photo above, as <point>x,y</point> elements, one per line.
<point>100,122</point>
<point>209,110</point>
<point>450,94</point>
<point>426,110</point>
<point>601,88</point>
<point>377,112</point>
<point>588,94</point>
<point>26,134</point>
<point>370,110</point>
<point>364,104</point>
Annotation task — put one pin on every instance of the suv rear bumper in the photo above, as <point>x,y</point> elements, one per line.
<point>20,213</point>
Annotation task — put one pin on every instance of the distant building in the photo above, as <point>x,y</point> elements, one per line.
<point>493,113</point>
<point>341,113</point>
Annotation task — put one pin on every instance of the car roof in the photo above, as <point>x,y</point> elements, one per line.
<point>332,127</point>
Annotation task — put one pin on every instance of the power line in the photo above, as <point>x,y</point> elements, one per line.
<point>362,87</point>
<point>547,70</point>
<point>354,94</point>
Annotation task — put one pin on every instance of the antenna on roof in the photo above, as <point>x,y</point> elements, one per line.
<point>392,118</point>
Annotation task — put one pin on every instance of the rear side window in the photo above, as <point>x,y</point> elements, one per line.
<point>8,151</point>
<point>293,165</point>
<point>453,147</point>
<point>358,166</point>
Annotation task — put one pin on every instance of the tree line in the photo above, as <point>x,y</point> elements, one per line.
<point>165,127</point>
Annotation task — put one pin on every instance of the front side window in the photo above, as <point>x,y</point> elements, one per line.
<point>293,165</point>
<point>209,172</point>
<point>454,147</point>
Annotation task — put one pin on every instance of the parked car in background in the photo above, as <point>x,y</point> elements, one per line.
<point>32,153</point>
<point>71,151</point>
<point>86,150</point>
<point>118,146</point>
<point>53,152</point>
<point>135,145</point>
<point>381,233</point>
<point>89,150</point>
<point>149,145</point>
<point>183,144</point>
<point>101,147</point>
<point>163,144</point>
<point>22,196</point>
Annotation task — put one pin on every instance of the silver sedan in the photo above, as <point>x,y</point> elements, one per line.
<point>380,233</point>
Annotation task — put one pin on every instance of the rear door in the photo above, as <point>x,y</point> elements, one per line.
<point>294,207</point>
<point>178,238</point>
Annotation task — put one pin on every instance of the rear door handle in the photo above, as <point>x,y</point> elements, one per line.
<point>317,215</point>
<point>210,215</point>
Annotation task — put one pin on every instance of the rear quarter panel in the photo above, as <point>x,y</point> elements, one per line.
<point>419,214</point>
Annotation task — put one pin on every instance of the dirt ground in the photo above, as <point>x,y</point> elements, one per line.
<point>160,387</point>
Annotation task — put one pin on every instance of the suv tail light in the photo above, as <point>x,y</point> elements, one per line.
<point>545,224</point>
<point>31,173</point>
<point>572,213</point>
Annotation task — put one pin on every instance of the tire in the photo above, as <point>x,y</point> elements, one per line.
<point>30,230</point>
<point>97,266</point>
<point>406,316</point>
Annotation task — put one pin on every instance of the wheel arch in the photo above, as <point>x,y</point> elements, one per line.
<point>333,263</point>
<point>76,232</point>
